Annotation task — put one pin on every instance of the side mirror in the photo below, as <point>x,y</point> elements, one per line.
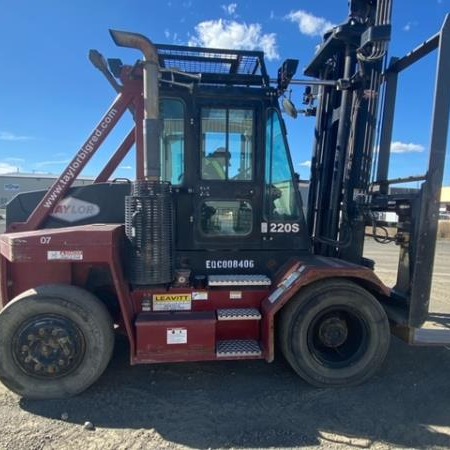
<point>290,108</point>
<point>285,74</point>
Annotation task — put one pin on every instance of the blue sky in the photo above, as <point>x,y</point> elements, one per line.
<point>52,97</point>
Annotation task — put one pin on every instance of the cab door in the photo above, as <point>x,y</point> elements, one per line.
<point>227,195</point>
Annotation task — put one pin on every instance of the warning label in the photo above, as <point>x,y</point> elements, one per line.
<point>176,335</point>
<point>172,302</point>
<point>65,255</point>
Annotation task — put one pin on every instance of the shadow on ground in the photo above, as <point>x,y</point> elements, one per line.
<point>254,404</point>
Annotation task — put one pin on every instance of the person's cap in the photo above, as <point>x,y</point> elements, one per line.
<point>221,152</point>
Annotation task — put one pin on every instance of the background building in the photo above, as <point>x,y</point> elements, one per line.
<point>445,203</point>
<point>14,183</point>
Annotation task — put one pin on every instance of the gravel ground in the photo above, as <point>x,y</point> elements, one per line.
<point>249,404</point>
<point>242,405</point>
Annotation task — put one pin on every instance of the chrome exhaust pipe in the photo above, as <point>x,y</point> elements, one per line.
<point>152,127</point>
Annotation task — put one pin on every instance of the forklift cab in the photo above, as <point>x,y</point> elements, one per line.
<point>224,150</point>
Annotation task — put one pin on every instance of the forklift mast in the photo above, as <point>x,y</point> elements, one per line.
<point>349,176</point>
<point>353,56</point>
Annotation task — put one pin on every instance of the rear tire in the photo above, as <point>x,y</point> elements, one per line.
<point>55,341</point>
<point>334,333</point>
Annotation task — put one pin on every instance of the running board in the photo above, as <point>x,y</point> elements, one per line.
<point>238,349</point>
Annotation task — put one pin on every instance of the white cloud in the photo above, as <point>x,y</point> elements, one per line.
<point>234,35</point>
<point>7,136</point>
<point>230,9</point>
<point>305,164</point>
<point>403,147</point>
<point>309,24</point>
<point>8,168</point>
<point>125,167</point>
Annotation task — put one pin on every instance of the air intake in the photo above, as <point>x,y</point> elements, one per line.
<point>149,228</point>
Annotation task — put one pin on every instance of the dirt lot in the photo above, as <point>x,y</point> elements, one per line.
<point>248,404</point>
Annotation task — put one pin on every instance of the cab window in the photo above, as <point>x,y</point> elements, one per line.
<point>172,141</point>
<point>227,144</point>
<point>281,196</point>
<point>226,218</point>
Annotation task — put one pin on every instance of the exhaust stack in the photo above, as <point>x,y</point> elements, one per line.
<point>152,164</point>
<point>149,207</point>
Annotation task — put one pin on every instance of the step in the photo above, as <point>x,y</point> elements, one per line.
<point>238,314</point>
<point>237,348</point>
<point>238,280</point>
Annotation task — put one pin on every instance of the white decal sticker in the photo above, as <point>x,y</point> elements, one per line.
<point>200,295</point>
<point>176,335</point>
<point>235,295</point>
<point>172,302</point>
<point>146,304</point>
<point>284,227</point>
<point>65,255</point>
<point>230,264</point>
<point>73,209</point>
<point>264,227</point>
<point>275,295</point>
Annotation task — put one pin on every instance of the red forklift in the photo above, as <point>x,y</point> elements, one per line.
<point>209,255</point>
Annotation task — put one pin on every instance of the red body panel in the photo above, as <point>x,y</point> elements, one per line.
<point>88,243</point>
<point>26,276</point>
<point>65,255</point>
<point>180,336</point>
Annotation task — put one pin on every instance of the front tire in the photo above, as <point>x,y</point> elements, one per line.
<point>55,341</point>
<point>334,333</point>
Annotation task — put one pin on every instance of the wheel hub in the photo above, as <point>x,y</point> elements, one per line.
<point>333,332</point>
<point>48,346</point>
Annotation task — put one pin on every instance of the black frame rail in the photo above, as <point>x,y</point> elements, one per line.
<point>417,251</point>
